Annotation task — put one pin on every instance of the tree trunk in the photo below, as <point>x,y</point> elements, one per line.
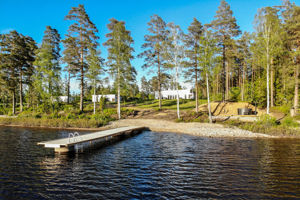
<point>82,88</point>
<point>227,80</point>
<point>243,81</point>
<point>177,96</point>
<point>268,82</point>
<point>208,99</point>
<point>296,96</point>
<point>159,82</point>
<point>196,86</point>
<point>21,92</point>
<point>13,102</point>
<point>68,87</point>
<point>119,102</point>
<point>272,84</point>
<point>223,74</point>
<point>95,96</point>
<point>82,75</point>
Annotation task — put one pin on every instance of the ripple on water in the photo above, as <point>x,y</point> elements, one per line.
<point>149,166</point>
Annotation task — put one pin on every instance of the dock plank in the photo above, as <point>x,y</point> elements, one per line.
<point>65,142</point>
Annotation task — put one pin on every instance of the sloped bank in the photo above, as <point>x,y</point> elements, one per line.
<point>193,128</point>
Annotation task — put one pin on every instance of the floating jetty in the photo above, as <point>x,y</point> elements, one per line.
<point>76,142</point>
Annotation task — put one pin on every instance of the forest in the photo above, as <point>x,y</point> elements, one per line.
<point>222,63</point>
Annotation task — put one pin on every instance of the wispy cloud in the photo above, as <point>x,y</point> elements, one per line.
<point>7,30</point>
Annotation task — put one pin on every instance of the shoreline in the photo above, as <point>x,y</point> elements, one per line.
<point>155,125</point>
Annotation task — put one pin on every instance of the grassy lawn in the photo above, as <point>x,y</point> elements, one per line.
<point>170,104</point>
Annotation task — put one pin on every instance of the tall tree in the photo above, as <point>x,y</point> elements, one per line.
<point>244,57</point>
<point>70,57</point>
<point>16,58</point>
<point>26,67</point>
<point>82,39</point>
<point>154,48</point>
<point>47,64</point>
<point>95,69</point>
<point>267,25</point>
<point>119,56</point>
<point>226,28</point>
<point>208,50</point>
<point>293,29</point>
<point>192,40</point>
<point>175,55</point>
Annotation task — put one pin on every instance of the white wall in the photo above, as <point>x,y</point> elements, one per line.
<point>172,94</point>
<point>109,97</point>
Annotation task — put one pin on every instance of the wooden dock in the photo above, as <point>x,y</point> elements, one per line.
<point>78,142</point>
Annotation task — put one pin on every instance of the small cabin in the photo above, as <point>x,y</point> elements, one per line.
<point>63,99</point>
<point>172,94</point>
<point>109,97</point>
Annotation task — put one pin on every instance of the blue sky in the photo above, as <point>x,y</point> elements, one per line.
<point>30,17</point>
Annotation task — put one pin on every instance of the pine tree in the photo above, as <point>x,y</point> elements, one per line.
<point>48,66</point>
<point>145,87</point>
<point>119,56</point>
<point>82,39</point>
<point>70,57</point>
<point>154,49</point>
<point>244,57</point>
<point>16,58</point>
<point>226,28</point>
<point>95,69</point>
<point>293,29</point>
<point>192,40</point>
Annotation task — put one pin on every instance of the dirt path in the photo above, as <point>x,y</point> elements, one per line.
<point>194,128</point>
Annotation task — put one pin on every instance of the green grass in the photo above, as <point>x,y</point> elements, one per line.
<point>268,125</point>
<point>171,104</point>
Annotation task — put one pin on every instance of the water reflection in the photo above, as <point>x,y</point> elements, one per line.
<point>149,166</point>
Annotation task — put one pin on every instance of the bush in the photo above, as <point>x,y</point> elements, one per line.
<point>70,116</point>
<point>289,122</point>
<point>235,93</point>
<point>102,103</point>
<point>267,120</point>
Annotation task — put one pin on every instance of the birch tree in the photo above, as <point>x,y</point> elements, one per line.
<point>208,51</point>
<point>267,23</point>
<point>119,56</point>
<point>175,54</point>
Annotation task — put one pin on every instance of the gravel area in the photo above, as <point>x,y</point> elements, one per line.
<point>194,128</point>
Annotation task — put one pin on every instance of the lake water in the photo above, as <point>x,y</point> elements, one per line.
<point>149,166</point>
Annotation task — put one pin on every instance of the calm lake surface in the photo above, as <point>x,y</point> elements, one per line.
<point>149,166</point>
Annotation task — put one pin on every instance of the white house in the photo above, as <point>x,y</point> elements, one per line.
<point>109,97</point>
<point>172,94</point>
<point>63,99</point>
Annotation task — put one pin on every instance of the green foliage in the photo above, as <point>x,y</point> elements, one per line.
<point>102,103</point>
<point>235,94</point>
<point>81,46</point>
<point>266,120</point>
<point>283,109</point>
<point>289,122</point>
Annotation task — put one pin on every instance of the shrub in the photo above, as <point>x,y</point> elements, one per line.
<point>266,120</point>
<point>289,122</point>
<point>235,93</point>
<point>102,103</point>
